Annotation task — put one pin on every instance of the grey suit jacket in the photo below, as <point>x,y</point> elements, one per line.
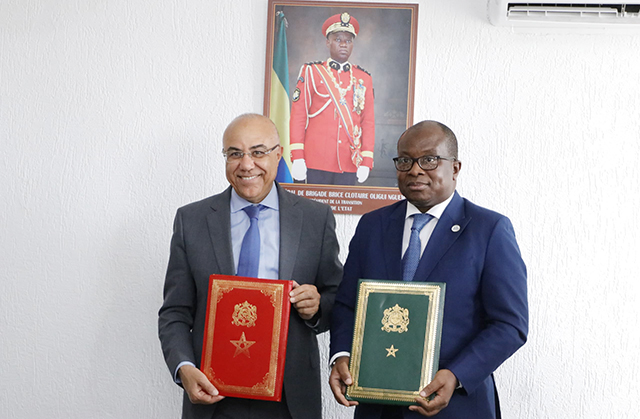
<point>201,246</point>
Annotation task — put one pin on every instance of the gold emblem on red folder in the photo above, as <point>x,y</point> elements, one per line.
<point>245,314</point>
<point>395,319</point>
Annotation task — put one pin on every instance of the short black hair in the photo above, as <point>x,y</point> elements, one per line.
<point>451,142</point>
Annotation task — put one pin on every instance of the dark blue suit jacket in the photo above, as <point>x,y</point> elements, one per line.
<point>485,315</point>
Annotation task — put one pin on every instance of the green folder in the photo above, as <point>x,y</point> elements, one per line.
<point>396,340</point>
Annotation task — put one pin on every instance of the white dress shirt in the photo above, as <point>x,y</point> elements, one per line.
<point>425,234</point>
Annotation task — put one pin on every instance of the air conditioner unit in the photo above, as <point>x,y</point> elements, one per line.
<point>584,14</point>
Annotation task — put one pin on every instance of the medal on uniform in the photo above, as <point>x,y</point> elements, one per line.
<point>358,96</point>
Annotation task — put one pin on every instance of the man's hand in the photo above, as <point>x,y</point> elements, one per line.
<point>198,387</point>
<point>299,169</point>
<point>306,299</point>
<point>443,385</point>
<point>339,379</point>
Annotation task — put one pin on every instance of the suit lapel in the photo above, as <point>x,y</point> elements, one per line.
<point>392,241</point>
<point>289,236</point>
<point>219,223</point>
<point>449,228</point>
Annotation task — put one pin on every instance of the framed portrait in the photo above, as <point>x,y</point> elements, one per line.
<point>339,85</point>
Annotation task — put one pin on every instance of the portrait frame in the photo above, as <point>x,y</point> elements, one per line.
<point>295,38</point>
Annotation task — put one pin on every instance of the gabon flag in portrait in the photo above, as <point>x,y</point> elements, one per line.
<point>279,110</point>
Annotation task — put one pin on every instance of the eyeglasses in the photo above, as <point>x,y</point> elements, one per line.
<point>254,154</point>
<point>404,164</point>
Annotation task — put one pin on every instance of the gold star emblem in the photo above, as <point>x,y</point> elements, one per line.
<point>391,351</point>
<point>243,345</point>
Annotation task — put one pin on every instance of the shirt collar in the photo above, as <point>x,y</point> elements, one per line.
<point>346,66</point>
<point>270,201</point>
<point>436,211</point>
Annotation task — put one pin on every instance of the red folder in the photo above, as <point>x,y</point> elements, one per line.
<point>245,340</point>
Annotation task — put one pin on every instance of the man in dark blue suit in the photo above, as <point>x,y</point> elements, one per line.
<point>472,249</point>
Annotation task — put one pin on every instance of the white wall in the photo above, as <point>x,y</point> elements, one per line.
<point>111,114</point>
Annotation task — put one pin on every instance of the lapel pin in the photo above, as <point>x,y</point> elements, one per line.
<point>455,228</point>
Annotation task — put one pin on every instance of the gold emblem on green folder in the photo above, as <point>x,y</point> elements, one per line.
<point>392,363</point>
<point>391,351</point>
<point>396,319</point>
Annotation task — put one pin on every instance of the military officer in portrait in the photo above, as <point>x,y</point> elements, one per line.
<point>332,127</point>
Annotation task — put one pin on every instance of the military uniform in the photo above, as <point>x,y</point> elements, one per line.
<point>332,117</point>
<point>332,127</point>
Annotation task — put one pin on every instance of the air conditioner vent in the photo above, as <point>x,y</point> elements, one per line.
<point>584,14</point>
<point>618,8</point>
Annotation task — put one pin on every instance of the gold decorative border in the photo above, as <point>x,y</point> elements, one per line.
<point>275,292</point>
<point>434,291</point>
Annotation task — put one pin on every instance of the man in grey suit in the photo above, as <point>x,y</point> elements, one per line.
<point>297,242</point>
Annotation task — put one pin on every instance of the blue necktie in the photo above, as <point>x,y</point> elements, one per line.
<point>412,255</point>
<point>249,259</point>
